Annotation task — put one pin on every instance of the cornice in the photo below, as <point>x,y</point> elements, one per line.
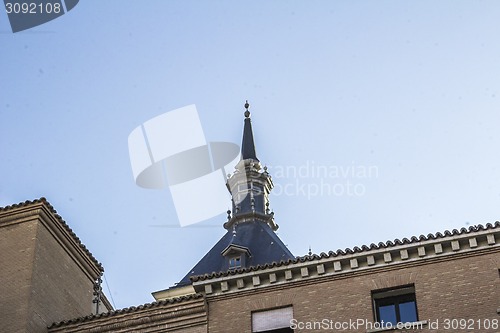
<point>365,260</point>
<point>179,312</point>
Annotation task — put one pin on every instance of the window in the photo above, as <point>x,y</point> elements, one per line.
<point>272,321</point>
<point>257,188</point>
<point>235,262</point>
<point>398,305</point>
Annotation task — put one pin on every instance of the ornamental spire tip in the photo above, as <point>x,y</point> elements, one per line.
<point>247,113</point>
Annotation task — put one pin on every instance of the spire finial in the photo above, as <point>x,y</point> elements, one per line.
<point>247,144</point>
<point>247,113</point>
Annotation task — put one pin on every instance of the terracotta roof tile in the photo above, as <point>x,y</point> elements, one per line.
<point>44,201</point>
<point>356,249</point>
<point>126,310</point>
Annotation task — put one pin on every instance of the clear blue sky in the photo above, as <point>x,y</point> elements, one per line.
<point>410,88</point>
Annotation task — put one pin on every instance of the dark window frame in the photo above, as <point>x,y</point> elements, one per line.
<point>235,262</point>
<point>394,296</point>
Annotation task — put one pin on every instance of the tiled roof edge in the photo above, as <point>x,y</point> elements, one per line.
<point>44,201</point>
<point>126,310</point>
<point>356,249</point>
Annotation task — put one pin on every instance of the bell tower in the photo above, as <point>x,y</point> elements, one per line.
<point>250,238</point>
<point>250,184</point>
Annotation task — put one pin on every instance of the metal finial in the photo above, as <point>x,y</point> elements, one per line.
<point>97,294</point>
<point>310,252</point>
<point>247,113</point>
<point>228,214</point>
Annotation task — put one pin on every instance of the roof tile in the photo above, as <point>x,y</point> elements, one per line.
<point>126,310</point>
<point>356,249</point>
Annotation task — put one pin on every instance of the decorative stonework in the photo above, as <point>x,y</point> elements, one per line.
<point>337,266</point>
<point>354,263</point>
<point>491,239</point>
<point>256,280</point>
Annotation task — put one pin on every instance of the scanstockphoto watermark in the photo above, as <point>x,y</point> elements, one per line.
<point>26,14</point>
<point>351,325</point>
<point>444,324</point>
<point>311,179</point>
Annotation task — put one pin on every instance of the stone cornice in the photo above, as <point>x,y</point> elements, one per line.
<point>319,267</point>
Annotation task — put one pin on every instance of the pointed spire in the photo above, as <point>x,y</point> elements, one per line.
<point>250,185</point>
<point>247,144</point>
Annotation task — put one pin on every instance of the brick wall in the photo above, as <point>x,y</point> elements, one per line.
<point>17,248</point>
<point>60,290</point>
<point>459,287</point>
<point>45,275</point>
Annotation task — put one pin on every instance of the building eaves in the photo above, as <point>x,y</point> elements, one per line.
<point>46,204</point>
<point>364,249</point>
<point>128,310</point>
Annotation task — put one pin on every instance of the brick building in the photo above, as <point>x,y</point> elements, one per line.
<point>46,273</point>
<point>250,282</point>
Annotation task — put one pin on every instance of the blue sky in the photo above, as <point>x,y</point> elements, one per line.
<point>410,88</point>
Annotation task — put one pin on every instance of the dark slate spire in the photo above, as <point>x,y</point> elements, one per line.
<point>250,185</point>
<point>247,144</point>
<point>250,239</point>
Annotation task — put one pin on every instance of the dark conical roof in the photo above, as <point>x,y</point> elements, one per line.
<point>260,240</point>
<point>247,144</point>
<point>250,232</point>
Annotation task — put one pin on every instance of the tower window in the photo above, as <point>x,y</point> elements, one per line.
<point>258,189</point>
<point>394,306</point>
<point>235,262</point>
